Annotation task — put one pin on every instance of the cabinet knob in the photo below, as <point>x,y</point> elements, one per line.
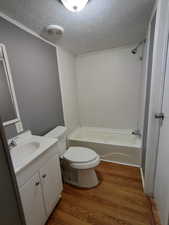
<point>44,175</point>
<point>37,183</point>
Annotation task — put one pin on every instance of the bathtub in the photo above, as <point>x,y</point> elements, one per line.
<point>112,145</point>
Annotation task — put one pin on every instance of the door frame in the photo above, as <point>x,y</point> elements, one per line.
<point>161,9</point>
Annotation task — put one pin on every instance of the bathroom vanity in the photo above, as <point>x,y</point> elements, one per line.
<point>37,167</point>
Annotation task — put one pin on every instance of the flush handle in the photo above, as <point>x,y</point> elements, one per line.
<point>44,175</point>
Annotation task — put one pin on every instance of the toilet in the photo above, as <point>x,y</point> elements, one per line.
<point>78,163</point>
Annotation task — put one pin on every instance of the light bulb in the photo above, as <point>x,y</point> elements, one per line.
<point>74,5</point>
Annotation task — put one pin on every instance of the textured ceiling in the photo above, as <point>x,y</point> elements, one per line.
<point>101,25</point>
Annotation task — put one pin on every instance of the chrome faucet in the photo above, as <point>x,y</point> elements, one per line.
<point>136,132</point>
<point>12,144</point>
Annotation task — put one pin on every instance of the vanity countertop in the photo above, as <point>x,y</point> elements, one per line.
<point>29,147</point>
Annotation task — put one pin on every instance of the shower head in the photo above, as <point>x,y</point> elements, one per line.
<point>134,51</point>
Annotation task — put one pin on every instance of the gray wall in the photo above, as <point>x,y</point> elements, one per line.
<point>10,209</point>
<point>36,79</point>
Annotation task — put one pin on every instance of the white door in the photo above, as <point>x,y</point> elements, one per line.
<point>149,154</point>
<point>156,87</point>
<point>32,201</point>
<point>162,173</point>
<point>51,183</point>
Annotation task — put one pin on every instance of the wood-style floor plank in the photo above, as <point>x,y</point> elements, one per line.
<point>118,200</point>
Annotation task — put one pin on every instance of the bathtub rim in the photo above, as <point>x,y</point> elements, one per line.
<point>71,137</point>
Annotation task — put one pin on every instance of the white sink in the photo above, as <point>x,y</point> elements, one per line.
<point>24,150</point>
<point>31,147</point>
<point>28,148</point>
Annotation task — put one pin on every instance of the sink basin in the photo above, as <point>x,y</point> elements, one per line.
<point>28,148</point>
<point>25,149</point>
<point>23,152</point>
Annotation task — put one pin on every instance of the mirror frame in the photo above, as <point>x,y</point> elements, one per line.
<point>10,85</point>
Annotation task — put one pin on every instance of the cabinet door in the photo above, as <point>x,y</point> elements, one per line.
<point>32,201</point>
<point>51,183</point>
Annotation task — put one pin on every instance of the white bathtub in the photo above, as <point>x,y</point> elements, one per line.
<point>112,145</point>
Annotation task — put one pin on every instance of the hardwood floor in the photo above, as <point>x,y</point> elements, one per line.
<point>117,200</point>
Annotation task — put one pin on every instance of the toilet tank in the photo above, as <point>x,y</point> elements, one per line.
<point>60,133</point>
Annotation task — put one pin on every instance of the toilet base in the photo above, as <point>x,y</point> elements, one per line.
<point>83,178</point>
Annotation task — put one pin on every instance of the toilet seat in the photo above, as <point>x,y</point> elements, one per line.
<point>87,165</point>
<point>81,158</point>
<point>80,155</point>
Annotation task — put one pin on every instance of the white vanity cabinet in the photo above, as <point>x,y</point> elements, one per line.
<point>32,201</point>
<point>40,186</point>
<point>51,183</point>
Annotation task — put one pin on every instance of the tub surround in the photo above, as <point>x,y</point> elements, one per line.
<point>67,76</point>
<point>109,88</point>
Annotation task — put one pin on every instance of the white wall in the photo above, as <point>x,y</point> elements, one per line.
<point>109,88</point>
<point>66,64</point>
<point>143,86</point>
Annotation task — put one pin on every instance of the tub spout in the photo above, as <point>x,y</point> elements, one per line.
<point>136,132</point>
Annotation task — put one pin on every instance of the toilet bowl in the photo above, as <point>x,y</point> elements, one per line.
<point>78,163</point>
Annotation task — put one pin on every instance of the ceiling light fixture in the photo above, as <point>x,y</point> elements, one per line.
<point>54,29</point>
<point>74,5</point>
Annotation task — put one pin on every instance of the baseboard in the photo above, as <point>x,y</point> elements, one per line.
<point>142,177</point>
<point>155,212</point>
<point>125,164</point>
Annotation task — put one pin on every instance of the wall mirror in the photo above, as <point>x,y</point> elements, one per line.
<point>8,103</point>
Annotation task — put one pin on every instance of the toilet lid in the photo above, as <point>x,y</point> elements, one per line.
<point>80,154</point>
